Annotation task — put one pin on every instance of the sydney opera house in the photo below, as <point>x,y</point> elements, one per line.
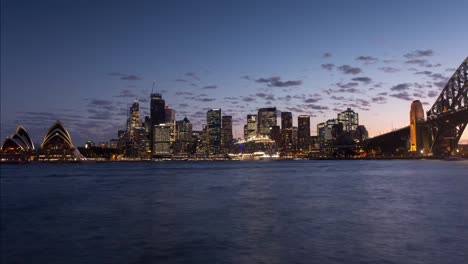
<point>57,145</point>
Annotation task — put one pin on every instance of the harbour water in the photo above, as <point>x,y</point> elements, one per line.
<point>393,211</point>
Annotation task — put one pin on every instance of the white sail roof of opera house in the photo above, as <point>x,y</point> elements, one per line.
<point>20,138</point>
<point>57,135</point>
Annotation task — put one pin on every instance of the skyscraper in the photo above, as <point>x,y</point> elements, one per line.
<point>251,128</point>
<point>169,120</point>
<point>183,135</point>
<point>157,114</point>
<point>286,130</point>
<point>162,137</point>
<point>349,119</point>
<point>133,119</point>
<point>303,132</point>
<point>226,133</point>
<point>416,121</point>
<point>266,120</point>
<point>213,117</point>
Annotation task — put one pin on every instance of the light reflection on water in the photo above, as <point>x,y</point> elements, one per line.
<point>236,212</point>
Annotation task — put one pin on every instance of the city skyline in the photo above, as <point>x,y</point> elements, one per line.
<point>221,55</point>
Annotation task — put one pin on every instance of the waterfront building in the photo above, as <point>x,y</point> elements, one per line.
<point>183,135</point>
<point>266,120</point>
<point>58,145</point>
<point>162,140</point>
<point>361,134</point>
<point>226,133</point>
<point>303,132</point>
<point>286,130</point>
<point>133,120</point>
<point>251,128</point>
<point>213,128</point>
<point>170,121</point>
<point>417,129</point>
<point>275,135</point>
<point>349,119</point>
<point>17,147</point>
<point>157,113</point>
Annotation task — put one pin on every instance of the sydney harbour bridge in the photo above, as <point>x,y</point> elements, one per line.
<point>437,135</point>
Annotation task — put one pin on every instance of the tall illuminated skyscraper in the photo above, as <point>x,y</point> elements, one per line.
<point>286,130</point>
<point>349,119</point>
<point>251,127</point>
<point>416,121</point>
<point>303,132</point>
<point>213,128</point>
<point>226,133</point>
<point>133,121</point>
<point>157,114</point>
<point>266,120</point>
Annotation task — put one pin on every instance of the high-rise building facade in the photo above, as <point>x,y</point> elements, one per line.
<point>183,135</point>
<point>303,132</point>
<point>349,119</point>
<point>157,114</point>
<point>286,130</point>
<point>226,133</point>
<point>416,126</point>
<point>133,121</point>
<point>169,118</point>
<point>250,130</point>
<point>162,140</point>
<point>213,123</point>
<point>266,120</point>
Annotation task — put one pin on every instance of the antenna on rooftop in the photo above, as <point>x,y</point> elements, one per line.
<point>152,89</point>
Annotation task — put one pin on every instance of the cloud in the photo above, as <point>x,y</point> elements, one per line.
<point>367,59</point>
<point>294,109</point>
<point>362,102</point>
<point>419,53</point>
<point>327,55</point>
<point>365,80</point>
<point>379,100</point>
<point>401,87</point>
<point>316,107</point>
<point>180,80</point>
<point>339,98</point>
<point>347,69</point>
<point>98,102</point>
<point>248,99</point>
<point>193,75</point>
<point>347,85</point>
<point>440,84</point>
<point>124,76</point>
<point>131,77</point>
<point>312,100</point>
<point>265,96</point>
<point>126,94</point>
<point>275,81</point>
<point>432,93</point>
<point>419,62</point>
<point>403,96</point>
<point>210,87</point>
<point>328,66</point>
<point>206,99</point>
<point>183,93</point>
<point>389,69</point>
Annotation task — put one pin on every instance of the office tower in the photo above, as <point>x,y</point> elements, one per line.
<point>226,133</point>
<point>133,119</point>
<point>294,138</point>
<point>275,134</point>
<point>286,130</point>
<point>157,114</point>
<point>162,140</point>
<point>147,124</point>
<point>213,117</point>
<point>266,120</point>
<point>324,131</point>
<point>303,132</point>
<point>361,133</point>
<point>169,118</point>
<point>183,135</point>
<point>250,130</point>
<point>349,119</point>
<point>416,126</point>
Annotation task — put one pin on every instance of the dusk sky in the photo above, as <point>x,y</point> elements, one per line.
<point>84,62</point>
